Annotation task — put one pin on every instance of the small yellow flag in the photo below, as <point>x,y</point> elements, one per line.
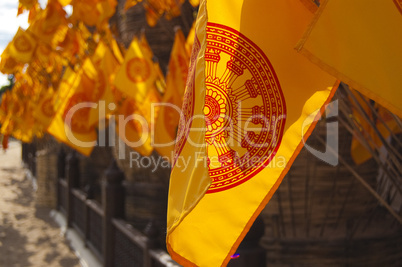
<point>70,124</point>
<point>8,65</point>
<point>50,24</point>
<point>22,47</point>
<point>135,121</point>
<point>359,42</point>
<point>106,66</point>
<point>136,75</point>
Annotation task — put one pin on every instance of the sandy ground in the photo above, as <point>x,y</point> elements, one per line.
<point>28,235</point>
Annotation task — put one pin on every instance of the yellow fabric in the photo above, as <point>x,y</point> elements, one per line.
<point>136,75</point>
<point>64,2</point>
<point>86,12</point>
<point>131,3</point>
<point>8,64</point>
<point>146,48</point>
<point>195,3</point>
<point>106,66</point>
<point>190,39</point>
<point>359,43</point>
<point>135,122</point>
<point>208,217</point>
<point>22,47</point>
<point>169,113</point>
<point>28,3</point>
<point>65,85</point>
<point>50,24</point>
<point>71,126</point>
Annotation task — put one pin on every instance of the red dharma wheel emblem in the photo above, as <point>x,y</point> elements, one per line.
<point>138,70</point>
<point>22,44</point>
<point>245,110</point>
<point>47,107</point>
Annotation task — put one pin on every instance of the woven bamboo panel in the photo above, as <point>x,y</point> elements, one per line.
<point>321,215</point>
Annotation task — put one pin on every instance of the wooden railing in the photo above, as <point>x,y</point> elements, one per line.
<point>114,241</point>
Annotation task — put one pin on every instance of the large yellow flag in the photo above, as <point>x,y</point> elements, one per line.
<point>136,75</point>
<point>169,113</point>
<point>359,42</point>
<point>260,100</point>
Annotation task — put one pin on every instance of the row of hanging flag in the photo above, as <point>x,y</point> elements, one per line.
<point>259,76</point>
<point>59,64</point>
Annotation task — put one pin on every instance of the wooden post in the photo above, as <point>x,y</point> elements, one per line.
<point>249,252</point>
<point>113,207</point>
<point>72,174</point>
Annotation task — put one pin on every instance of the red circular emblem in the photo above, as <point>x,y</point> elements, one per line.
<point>244,110</point>
<point>79,119</point>
<point>138,70</point>
<point>47,107</point>
<point>170,116</point>
<point>99,87</point>
<point>22,44</point>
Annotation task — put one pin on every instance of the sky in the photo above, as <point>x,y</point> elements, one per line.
<point>9,23</point>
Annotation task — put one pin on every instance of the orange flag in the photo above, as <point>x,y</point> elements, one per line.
<point>169,114</point>
<point>250,102</point>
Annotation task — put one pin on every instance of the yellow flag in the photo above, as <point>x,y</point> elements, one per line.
<point>131,3</point>
<point>50,24</point>
<point>28,4</point>
<point>106,66</point>
<point>135,122</point>
<point>136,75</point>
<point>251,100</point>
<point>146,48</point>
<point>8,65</point>
<point>43,110</point>
<point>195,3</point>
<point>133,128</point>
<point>70,124</point>
<point>5,99</point>
<point>190,39</point>
<point>86,12</point>
<point>359,42</point>
<point>169,113</point>
<point>22,46</point>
